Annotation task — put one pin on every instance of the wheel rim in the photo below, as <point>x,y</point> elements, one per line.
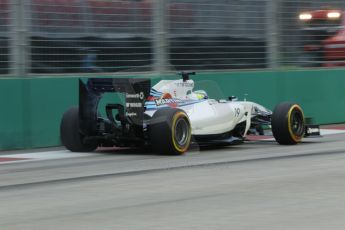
<point>297,123</point>
<point>181,132</point>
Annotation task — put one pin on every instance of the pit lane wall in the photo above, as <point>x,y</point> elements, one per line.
<point>31,108</point>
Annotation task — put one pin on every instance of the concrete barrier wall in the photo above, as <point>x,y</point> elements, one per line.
<point>31,108</point>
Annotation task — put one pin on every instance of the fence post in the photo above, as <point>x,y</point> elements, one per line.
<point>18,39</point>
<point>272,33</point>
<point>160,35</point>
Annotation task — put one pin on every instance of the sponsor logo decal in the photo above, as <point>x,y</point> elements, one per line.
<point>134,105</point>
<point>172,102</point>
<point>136,96</point>
<point>131,114</point>
<point>313,130</point>
<point>184,84</point>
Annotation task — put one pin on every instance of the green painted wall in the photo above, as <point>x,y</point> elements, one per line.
<point>31,108</point>
<point>12,127</point>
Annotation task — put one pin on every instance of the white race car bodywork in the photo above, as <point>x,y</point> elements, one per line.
<point>207,116</point>
<point>170,116</point>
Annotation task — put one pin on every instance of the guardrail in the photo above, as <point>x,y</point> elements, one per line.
<point>83,36</point>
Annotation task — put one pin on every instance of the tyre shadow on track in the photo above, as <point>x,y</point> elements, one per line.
<point>193,149</point>
<point>274,143</point>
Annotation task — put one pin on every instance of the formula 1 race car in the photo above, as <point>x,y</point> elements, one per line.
<point>170,116</point>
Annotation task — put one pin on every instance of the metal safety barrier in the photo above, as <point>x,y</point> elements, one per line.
<point>107,36</point>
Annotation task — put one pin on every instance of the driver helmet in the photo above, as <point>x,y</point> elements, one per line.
<point>201,94</point>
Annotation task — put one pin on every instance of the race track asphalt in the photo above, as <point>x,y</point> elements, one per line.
<point>256,185</point>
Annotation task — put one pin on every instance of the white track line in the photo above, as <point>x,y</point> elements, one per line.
<point>48,155</point>
<point>325,132</point>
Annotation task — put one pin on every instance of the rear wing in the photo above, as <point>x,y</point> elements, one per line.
<point>136,91</point>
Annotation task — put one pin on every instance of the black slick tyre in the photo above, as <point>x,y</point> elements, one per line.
<point>288,123</point>
<point>170,131</point>
<point>70,134</point>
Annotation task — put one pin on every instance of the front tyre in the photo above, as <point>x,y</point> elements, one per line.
<point>71,136</point>
<point>170,131</point>
<point>288,123</point>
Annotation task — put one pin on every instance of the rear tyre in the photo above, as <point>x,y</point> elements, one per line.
<point>288,123</point>
<point>170,131</point>
<point>70,134</point>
